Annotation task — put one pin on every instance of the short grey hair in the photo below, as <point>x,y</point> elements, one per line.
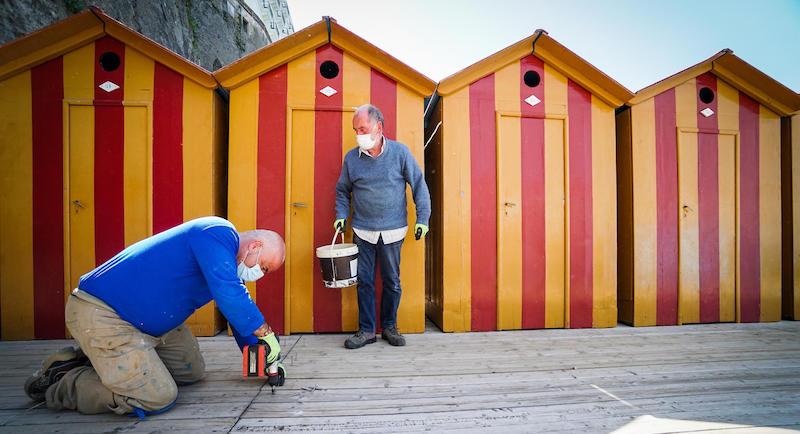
<point>373,113</point>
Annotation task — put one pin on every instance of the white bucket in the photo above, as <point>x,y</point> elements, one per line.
<point>339,263</point>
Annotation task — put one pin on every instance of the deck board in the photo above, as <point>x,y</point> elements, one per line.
<point>693,378</point>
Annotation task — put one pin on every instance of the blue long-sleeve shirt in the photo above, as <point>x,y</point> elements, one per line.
<point>378,188</point>
<point>157,283</point>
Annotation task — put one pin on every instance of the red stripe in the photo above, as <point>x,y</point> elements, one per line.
<point>271,196</point>
<point>167,148</point>
<point>579,106</point>
<point>383,94</point>
<point>327,165</point>
<point>667,204</point>
<point>750,249</point>
<point>47,93</point>
<point>483,172</point>
<point>708,203</point>
<point>534,264</point>
<point>109,138</point>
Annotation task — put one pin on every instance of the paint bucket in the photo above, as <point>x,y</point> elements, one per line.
<point>339,263</point>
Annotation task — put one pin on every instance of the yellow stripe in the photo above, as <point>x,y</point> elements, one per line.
<point>604,213</point>
<point>242,160</point>
<point>728,120</point>
<point>555,133</point>
<point>138,136</point>
<point>355,92</point>
<point>16,214</point>
<point>198,187</point>
<point>79,137</point>
<point>410,126</point>
<point>301,257</point>
<point>456,209</point>
<point>688,229</point>
<point>509,199</point>
<point>769,172</point>
<point>795,236</point>
<point>645,213</point>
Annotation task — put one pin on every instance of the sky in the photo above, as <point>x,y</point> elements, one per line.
<point>635,42</point>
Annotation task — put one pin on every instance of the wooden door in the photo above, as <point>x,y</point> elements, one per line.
<point>531,206</point>
<point>707,186</point>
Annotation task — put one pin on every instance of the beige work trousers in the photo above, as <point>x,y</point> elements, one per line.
<point>129,368</point>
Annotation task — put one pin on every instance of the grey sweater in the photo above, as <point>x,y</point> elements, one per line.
<point>378,188</point>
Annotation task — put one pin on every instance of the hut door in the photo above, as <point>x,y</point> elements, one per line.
<point>315,164</point>
<point>530,222</point>
<point>100,225</point>
<point>707,226</point>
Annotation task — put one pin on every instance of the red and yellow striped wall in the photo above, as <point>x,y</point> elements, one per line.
<point>524,180</point>
<point>700,207</point>
<point>287,142</point>
<point>91,171</point>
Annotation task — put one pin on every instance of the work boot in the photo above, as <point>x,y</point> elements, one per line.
<point>359,339</point>
<point>393,336</point>
<point>53,370</point>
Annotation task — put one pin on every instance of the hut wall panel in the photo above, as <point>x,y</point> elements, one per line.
<point>16,222</point>
<point>770,210</point>
<point>794,238</point>
<point>645,214</point>
<point>47,93</point>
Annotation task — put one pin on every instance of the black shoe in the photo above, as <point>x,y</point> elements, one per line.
<point>393,337</point>
<point>359,339</point>
<point>52,370</point>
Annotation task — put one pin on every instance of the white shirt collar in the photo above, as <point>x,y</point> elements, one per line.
<point>383,149</point>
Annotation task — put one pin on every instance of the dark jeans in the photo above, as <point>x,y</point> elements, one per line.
<point>388,257</point>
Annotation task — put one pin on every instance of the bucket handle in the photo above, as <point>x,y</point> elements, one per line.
<point>336,235</point>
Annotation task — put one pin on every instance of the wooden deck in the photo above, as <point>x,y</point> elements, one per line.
<point>719,377</point>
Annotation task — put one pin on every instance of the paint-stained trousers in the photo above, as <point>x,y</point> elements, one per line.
<point>128,368</point>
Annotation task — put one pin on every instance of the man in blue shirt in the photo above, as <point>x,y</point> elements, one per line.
<point>127,316</point>
<point>375,175</point>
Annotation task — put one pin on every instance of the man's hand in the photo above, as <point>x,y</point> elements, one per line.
<point>420,230</point>
<point>273,345</point>
<point>339,224</point>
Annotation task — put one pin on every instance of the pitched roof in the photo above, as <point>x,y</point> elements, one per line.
<point>736,72</point>
<point>78,30</point>
<point>541,45</point>
<point>312,37</point>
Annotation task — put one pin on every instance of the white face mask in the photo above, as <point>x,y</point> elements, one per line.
<point>250,274</point>
<point>365,141</point>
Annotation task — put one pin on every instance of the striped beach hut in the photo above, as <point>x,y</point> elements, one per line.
<point>790,181</point>
<point>105,138</point>
<point>699,156</point>
<point>291,109</point>
<point>521,164</point>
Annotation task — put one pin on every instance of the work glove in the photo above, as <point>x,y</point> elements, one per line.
<point>278,378</point>
<point>339,224</point>
<point>273,347</point>
<point>420,230</point>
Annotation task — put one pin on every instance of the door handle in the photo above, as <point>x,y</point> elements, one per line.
<point>300,204</point>
<point>77,203</point>
<point>510,204</point>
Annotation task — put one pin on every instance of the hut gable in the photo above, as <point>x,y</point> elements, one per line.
<point>302,42</point>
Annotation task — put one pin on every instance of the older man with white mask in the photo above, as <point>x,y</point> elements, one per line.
<point>374,177</point>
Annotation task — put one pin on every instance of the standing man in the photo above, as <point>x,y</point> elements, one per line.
<point>375,175</point>
<point>127,316</point>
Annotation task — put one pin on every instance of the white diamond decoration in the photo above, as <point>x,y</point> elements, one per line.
<point>327,91</point>
<point>532,100</point>
<point>109,86</point>
<point>707,112</point>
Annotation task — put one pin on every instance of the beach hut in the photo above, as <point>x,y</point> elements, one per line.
<point>291,108</point>
<point>105,138</point>
<point>699,160</point>
<point>521,164</point>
